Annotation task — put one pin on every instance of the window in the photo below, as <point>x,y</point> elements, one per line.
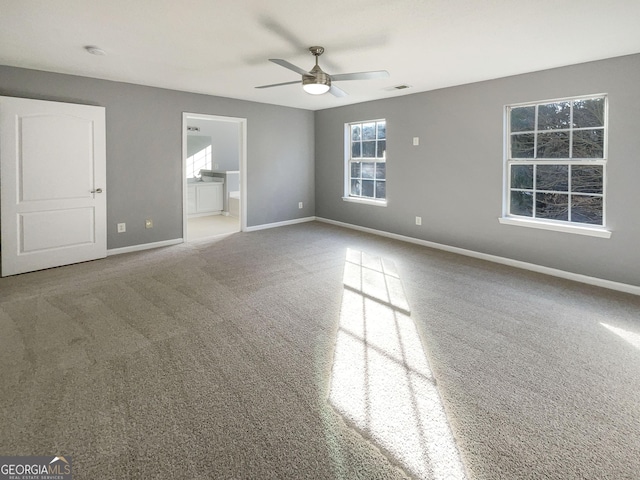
<point>366,161</point>
<point>201,158</point>
<point>556,160</point>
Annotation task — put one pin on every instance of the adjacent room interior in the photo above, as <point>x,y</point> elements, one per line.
<point>214,146</point>
<point>381,240</point>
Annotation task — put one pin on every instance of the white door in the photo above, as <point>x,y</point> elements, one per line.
<point>52,184</point>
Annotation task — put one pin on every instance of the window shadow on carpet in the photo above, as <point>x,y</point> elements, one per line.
<point>381,382</point>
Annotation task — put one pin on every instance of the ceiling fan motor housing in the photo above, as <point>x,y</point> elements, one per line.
<point>317,76</point>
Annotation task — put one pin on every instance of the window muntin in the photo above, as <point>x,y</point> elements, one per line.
<point>366,165</point>
<point>556,159</point>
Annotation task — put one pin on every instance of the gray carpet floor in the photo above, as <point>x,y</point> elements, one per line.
<point>313,351</point>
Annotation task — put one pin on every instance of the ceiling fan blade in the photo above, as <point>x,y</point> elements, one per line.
<point>278,84</point>
<point>337,92</point>
<point>290,66</point>
<point>360,75</point>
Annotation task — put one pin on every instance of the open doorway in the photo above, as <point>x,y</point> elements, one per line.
<point>214,175</point>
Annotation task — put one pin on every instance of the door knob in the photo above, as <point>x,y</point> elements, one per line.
<point>97,190</point>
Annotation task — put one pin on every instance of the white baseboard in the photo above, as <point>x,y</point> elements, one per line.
<point>599,282</point>
<point>144,246</point>
<point>279,224</point>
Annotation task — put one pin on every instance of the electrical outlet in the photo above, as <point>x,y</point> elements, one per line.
<point>148,223</point>
<point>418,220</point>
<point>300,204</point>
<point>416,141</point>
<point>122,227</point>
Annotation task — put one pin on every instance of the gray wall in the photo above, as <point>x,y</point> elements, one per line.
<point>453,179</point>
<point>144,151</point>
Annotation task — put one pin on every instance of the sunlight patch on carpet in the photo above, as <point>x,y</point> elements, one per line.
<point>381,382</point>
<point>631,337</point>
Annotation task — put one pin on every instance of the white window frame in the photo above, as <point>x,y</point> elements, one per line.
<point>347,197</point>
<point>550,224</point>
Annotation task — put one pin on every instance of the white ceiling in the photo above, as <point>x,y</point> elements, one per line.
<point>221,47</point>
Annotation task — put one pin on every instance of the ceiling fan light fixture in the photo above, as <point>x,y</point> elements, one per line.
<point>316,82</point>
<point>315,88</point>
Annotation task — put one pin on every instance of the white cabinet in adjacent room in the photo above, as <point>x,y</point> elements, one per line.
<point>204,198</point>
<point>191,199</point>
<point>209,198</point>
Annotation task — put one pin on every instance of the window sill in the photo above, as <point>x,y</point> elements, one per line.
<point>366,201</point>
<point>580,230</point>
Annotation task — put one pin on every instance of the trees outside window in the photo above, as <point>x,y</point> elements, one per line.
<point>556,160</point>
<point>366,160</point>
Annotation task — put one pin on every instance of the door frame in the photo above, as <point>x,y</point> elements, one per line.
<point>242,150</point>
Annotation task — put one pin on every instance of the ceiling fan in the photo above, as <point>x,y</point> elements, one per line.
<point>317,82</point>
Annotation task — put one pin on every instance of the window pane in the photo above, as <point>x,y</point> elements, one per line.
<point>522,176</point>
<point>355,169</point>
<point>369,131</point>
<point>570,132</point>
<point>586,209</point>
<point>381,170</point>
<point>588,143</point>
<point>382,129</point>
<point>522,203</point>
<point>522,119</point>
<point>522,145</point>
<point>552,177</point>
<point>367,188</point>
<point>554,206</point>
<point>368,169</point>
<point>355,187</point>
<point>369,149</point>
<point>355,150</point>
<point>588,113</point>
<point>355,132</point>
<point>381,189</point>
<point>382,145</point>
<point>553,145</point>
<point>586,178</point>
<point>553,115</point>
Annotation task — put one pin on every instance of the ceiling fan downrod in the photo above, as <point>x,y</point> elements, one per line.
<point>316,82</point>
